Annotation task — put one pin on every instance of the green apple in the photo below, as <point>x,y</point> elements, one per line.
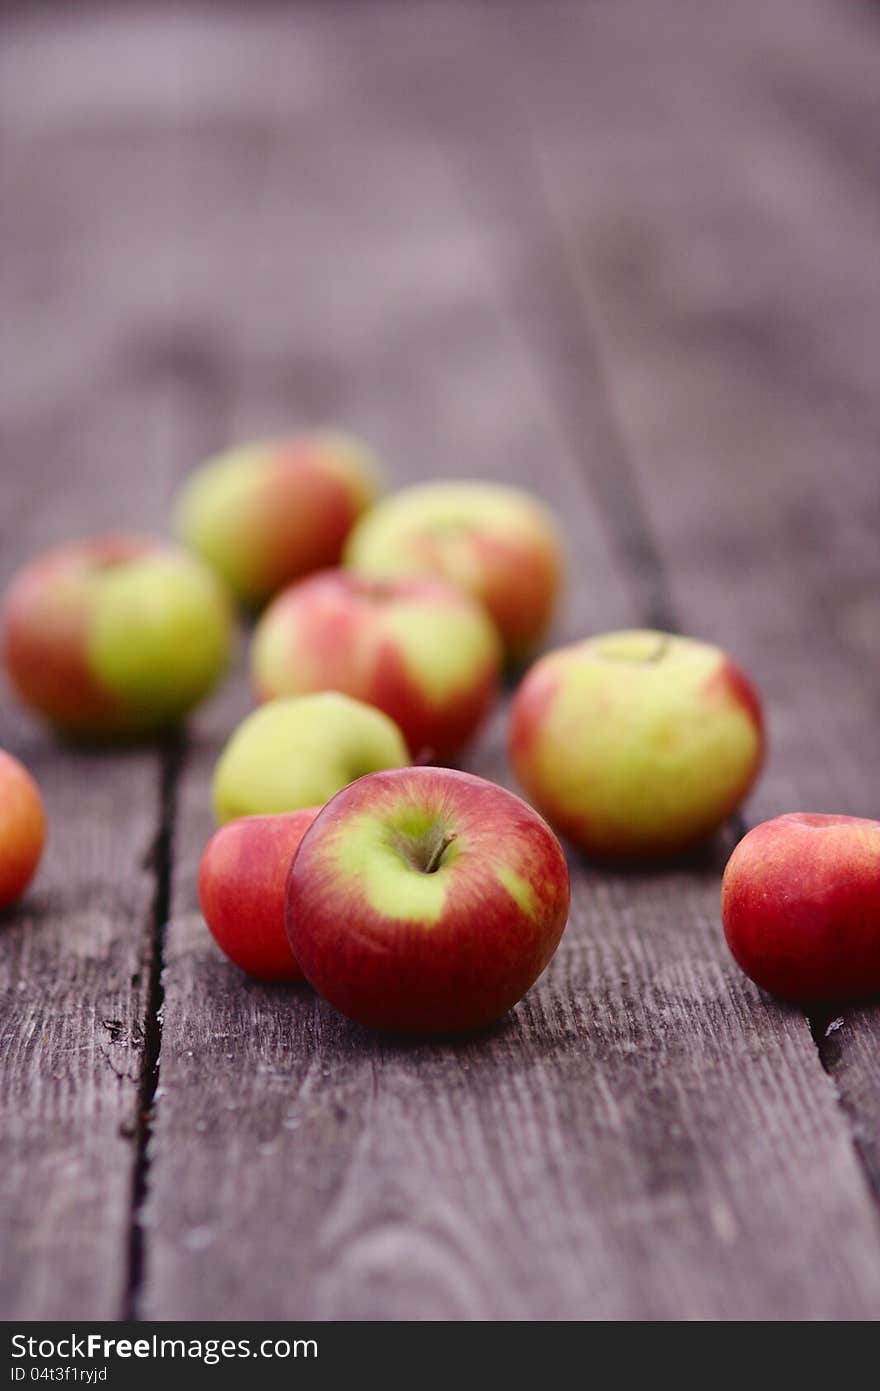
<point>636,744</point>
<point>264,514</point>
<point>117,636</point>
<point>499,544</point>
<point>298,751</point>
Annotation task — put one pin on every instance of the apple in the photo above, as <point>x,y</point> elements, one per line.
<point>636,744</point>
<point>298,751</point>
<point>242,877</point>
<point>266,514</point>
<point>800,903</point>
<point>426,900</point>
<point>417,648</point>
<point>116,636</point>
<point>22,828</point>
<point>497,543</point>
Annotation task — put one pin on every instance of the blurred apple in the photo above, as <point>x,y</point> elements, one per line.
<point>497,543</point>
<point>22,828</point>
<point>266,514</point>
<point>418,648</point>
<point>117,636</point>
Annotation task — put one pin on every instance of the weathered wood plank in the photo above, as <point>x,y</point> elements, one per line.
<point>95,418</point>
<point>74,956</point>
<point>647,1136</point>
<point>619,1184</point>
<point>349,1210</point>
<point>736,323</point>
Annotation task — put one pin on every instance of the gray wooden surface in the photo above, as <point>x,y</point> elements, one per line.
<point>632,263</point>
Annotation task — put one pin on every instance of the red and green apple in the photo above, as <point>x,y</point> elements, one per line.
<point>265,514</point>
<point>417,648</point>
<point>426,900</point>
<point>117,636</point>
<point>497,543</point>
<point>636,744</point>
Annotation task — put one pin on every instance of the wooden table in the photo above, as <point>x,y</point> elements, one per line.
<point>624,255</point>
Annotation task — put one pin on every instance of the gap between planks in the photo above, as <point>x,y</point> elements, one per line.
<point>162,864</point>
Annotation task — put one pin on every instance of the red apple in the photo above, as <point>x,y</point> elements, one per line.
<point>800,902</point>
<point>426,900</point>
<point>241,889</point>
<point>115,636</point>
<point>22,828</point>
<point>419,649</point>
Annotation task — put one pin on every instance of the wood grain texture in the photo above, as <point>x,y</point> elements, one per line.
<point>75,955</point>
<point>647,1135</point>
<point>631,267</point>
<point>95,419</point>
<point>280,1129</point>
<point>734,325</point>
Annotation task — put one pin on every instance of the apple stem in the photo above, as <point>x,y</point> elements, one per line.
<point>660,650</point>
<point>439,851</point>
